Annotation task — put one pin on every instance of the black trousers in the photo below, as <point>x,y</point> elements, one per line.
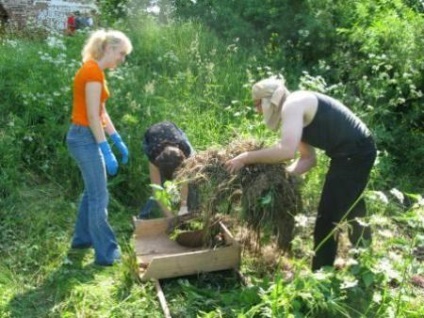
<point>340,200</point>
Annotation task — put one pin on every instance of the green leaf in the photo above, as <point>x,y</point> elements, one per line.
<point>368,278</point>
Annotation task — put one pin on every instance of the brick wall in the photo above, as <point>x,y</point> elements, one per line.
<point>50,13</point>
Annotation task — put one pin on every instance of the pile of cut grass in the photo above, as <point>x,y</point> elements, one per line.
<point>265,194</point>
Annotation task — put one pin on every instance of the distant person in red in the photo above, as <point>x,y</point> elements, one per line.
<point>71,24</point>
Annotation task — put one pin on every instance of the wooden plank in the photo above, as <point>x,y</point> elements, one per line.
<point>160,257</point>
<point>229,239</point>
<point>192,263</point>
<point>159,225</point>
<point>162,299</point>
<point>159,244</point>
<point>151,227</point>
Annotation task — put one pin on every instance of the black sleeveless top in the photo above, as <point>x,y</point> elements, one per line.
<point>337,130</point>
<point>163,134</point>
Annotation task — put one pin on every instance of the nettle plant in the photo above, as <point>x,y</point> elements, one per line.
<point>37,100</point>
<point>47,101</point>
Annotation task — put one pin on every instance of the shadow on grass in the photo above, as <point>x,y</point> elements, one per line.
<point>51,298</point>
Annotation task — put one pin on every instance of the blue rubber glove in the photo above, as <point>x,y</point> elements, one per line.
<point>110,160</point>
<point>117,140</point>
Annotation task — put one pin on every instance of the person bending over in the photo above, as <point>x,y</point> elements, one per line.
<point>310,120</point>
<point>166,147</point>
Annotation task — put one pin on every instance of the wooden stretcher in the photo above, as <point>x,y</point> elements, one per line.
<point>160,257</point>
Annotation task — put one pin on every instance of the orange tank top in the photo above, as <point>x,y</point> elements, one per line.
<point>89,72</point>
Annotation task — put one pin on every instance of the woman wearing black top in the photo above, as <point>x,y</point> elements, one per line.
<point>310,120</point>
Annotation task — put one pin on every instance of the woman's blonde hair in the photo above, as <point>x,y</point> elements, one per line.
<point>96,44</point>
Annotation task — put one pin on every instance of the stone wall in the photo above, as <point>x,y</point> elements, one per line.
<point>50,13</point>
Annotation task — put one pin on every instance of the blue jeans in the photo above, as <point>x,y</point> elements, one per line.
<point>147,209</point>
<point>92,228</point>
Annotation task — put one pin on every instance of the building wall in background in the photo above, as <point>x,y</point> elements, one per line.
<point>49,13</point>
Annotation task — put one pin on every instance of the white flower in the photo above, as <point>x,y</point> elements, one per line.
<point>379,196</point>
<point>385,266</point>
<point>348,283</point>
<point>362,222</point>
<point>301,220</point>
<point>386,233</point>
<point>379,220</point>
<point>377,298</point>
<point>55,42</point>
<point>397,194</point>
<point>12,43</point>
<point>149,88</point>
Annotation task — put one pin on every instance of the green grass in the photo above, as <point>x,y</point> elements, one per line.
<point>41,277</point>
<point>183,73</point>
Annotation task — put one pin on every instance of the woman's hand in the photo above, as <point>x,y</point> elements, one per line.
<point>117,141</point>
<point>235,164</point>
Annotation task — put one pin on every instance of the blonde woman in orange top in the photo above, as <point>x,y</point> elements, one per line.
<point>88,145</point>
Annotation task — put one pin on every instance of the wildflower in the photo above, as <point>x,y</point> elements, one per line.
<point>301,220</point>
<point>385,266</point>
<point>398,195</point>
<point>55,42</point>
<point>348,283</point>
<point>149,88</point>
<point>379,196</point>
<point>377,298</point>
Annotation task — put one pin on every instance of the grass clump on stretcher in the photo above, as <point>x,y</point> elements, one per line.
<point>264,196</point>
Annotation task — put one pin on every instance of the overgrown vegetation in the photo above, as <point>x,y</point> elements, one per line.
<point>198,74</point>
<point>368,51</point>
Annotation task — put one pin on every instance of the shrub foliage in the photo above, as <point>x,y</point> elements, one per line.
<point>370,49</point>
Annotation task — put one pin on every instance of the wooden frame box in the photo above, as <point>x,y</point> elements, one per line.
<point>160,257</point>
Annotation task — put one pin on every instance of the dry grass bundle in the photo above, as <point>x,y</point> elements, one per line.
<point>266,195</point>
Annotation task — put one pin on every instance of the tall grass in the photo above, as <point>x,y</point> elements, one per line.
<point>179,72</point>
